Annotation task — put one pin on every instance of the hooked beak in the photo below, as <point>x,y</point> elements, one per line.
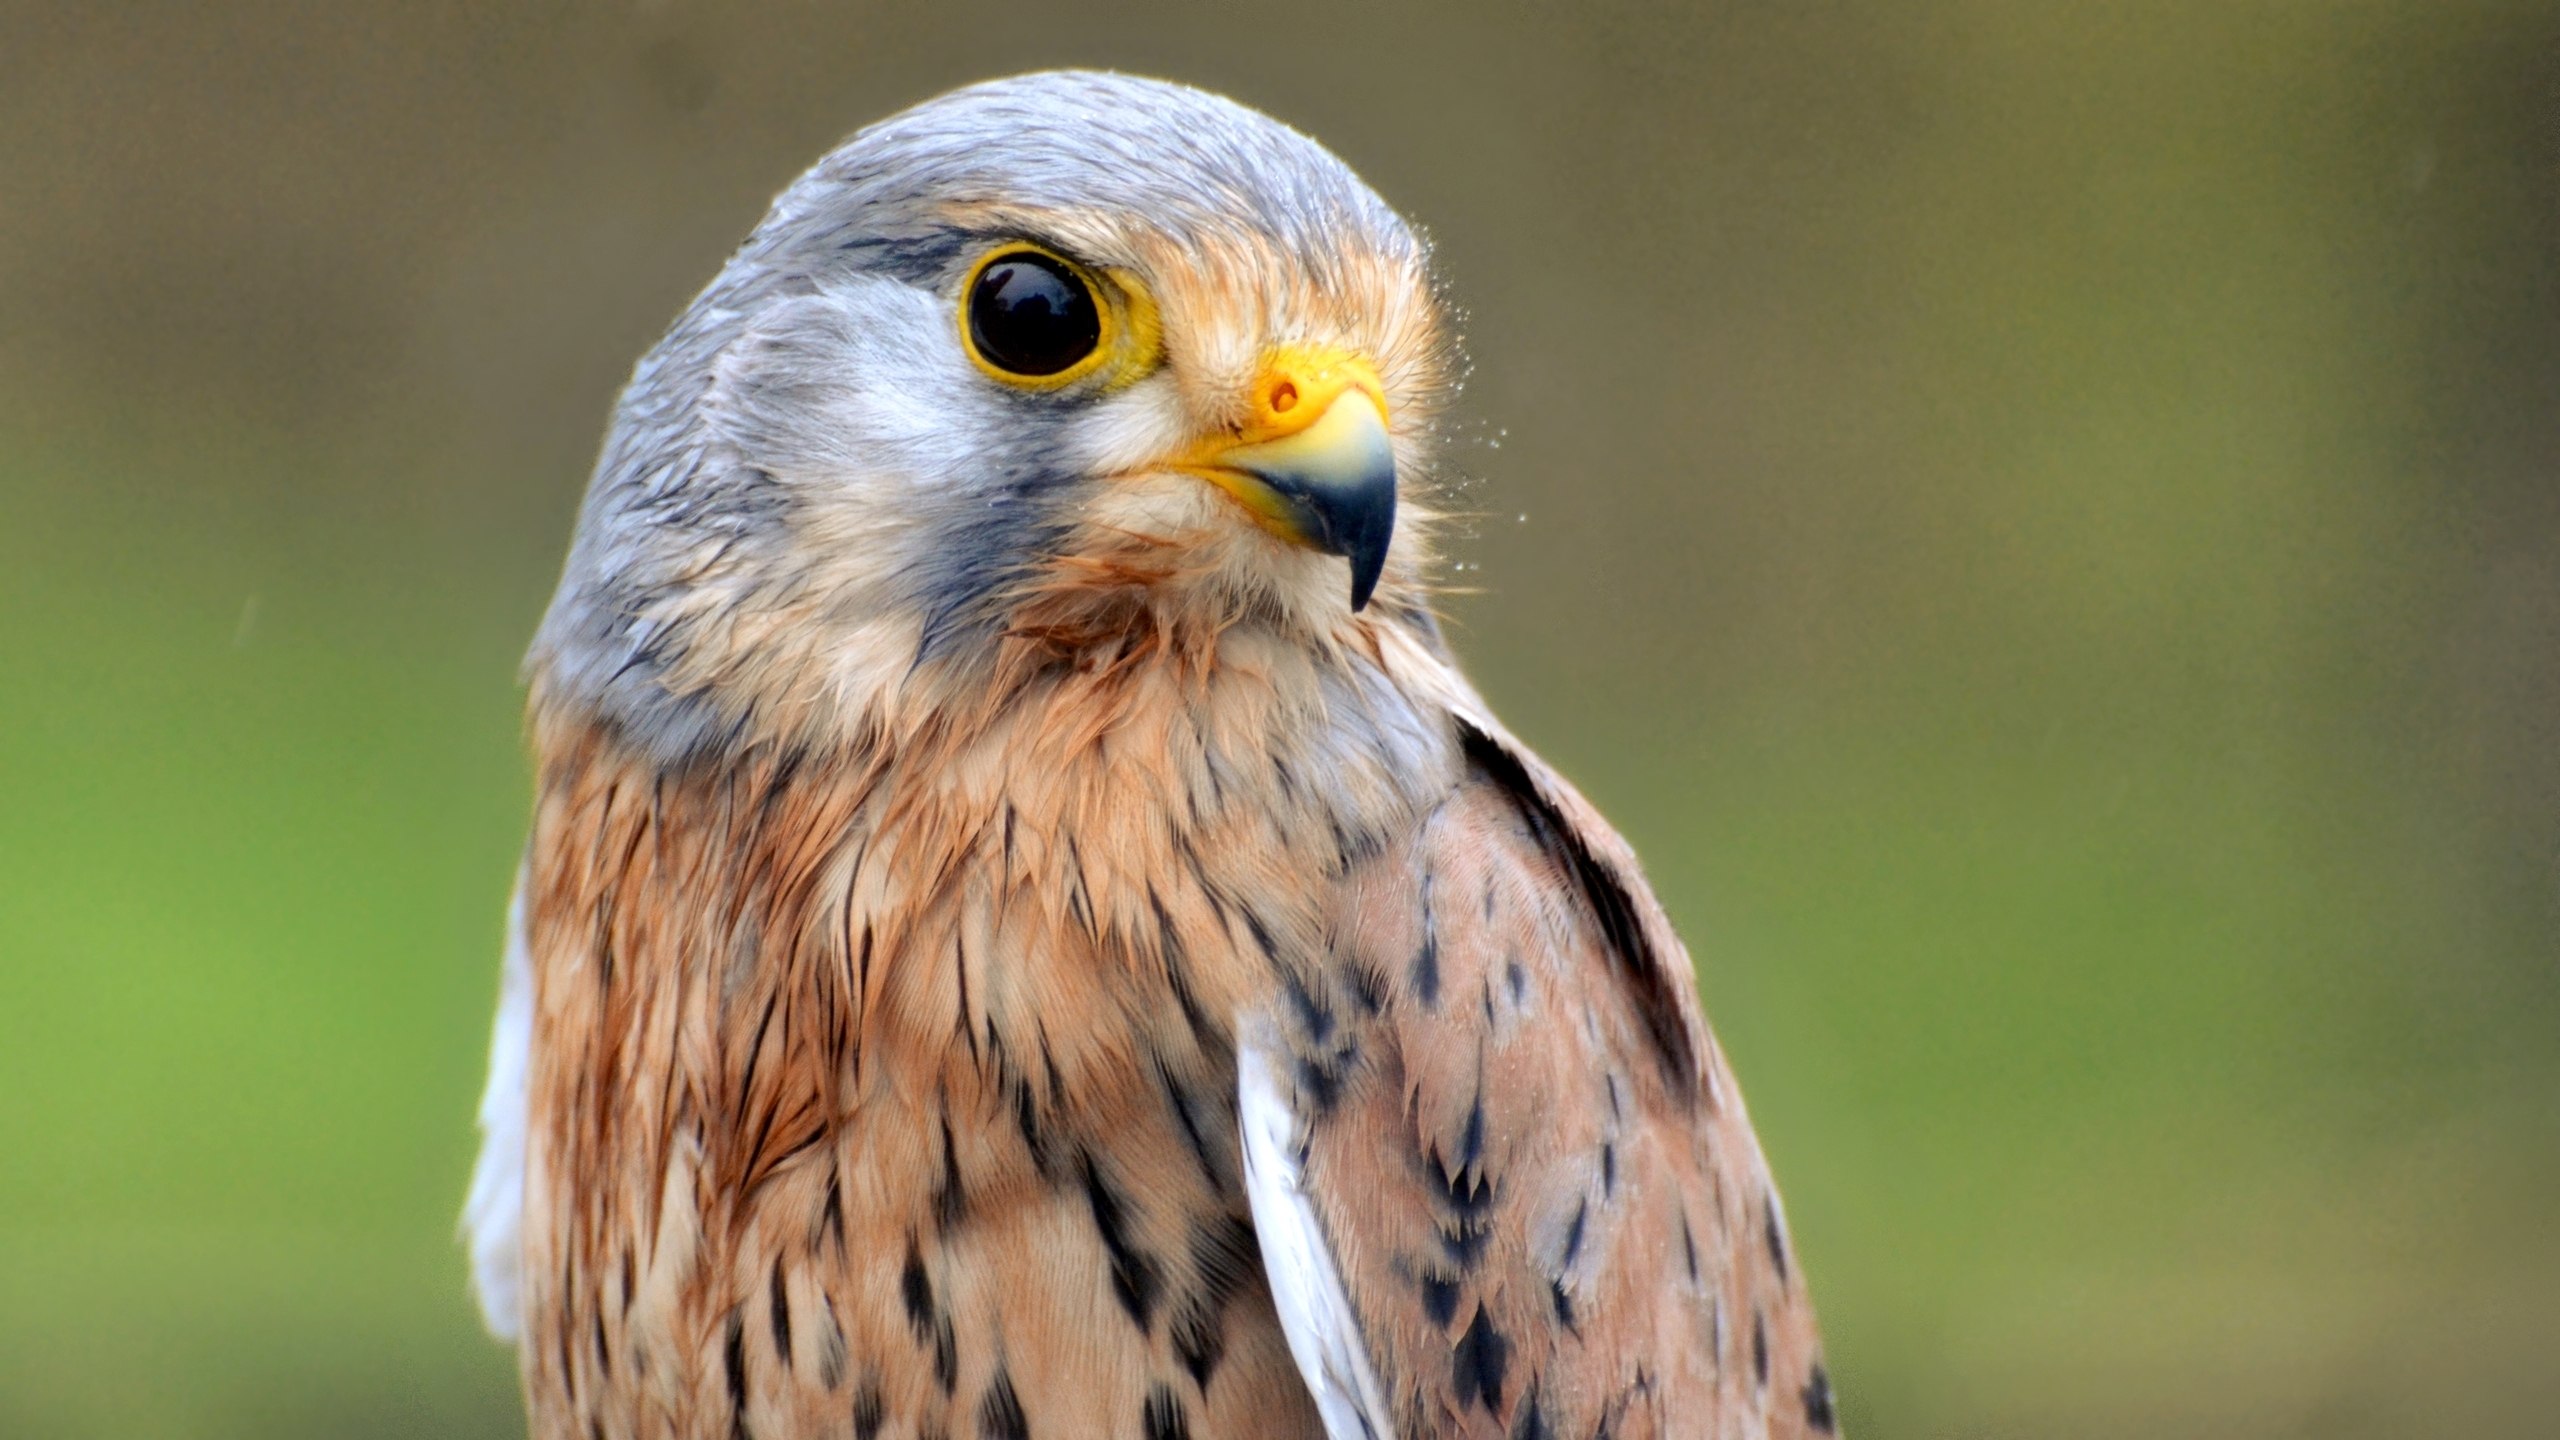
<point>1314,464</point>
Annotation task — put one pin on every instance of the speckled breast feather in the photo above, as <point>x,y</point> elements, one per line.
<point>1011,944</point>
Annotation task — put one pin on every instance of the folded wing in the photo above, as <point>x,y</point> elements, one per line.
<point>1515,1192</point>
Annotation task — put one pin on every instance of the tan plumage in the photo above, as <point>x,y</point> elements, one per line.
<point>893,976</point>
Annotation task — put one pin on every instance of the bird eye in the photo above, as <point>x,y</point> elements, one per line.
<point>1032,315</point>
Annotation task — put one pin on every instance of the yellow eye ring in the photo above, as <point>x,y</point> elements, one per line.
<point>1037,320</point>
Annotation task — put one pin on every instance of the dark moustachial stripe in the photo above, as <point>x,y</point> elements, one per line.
<point>1759,1347</point>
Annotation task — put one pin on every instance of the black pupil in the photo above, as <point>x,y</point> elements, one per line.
<point>1031,316</point>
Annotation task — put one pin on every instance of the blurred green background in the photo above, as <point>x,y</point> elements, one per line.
<point>2041,521</point>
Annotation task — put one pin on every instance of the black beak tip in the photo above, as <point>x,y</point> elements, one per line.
<point>1365,569</point>
<point>1354,517</point>
<point>1371,528</point>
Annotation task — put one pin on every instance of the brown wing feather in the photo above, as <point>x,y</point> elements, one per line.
<point>1543,1193</point>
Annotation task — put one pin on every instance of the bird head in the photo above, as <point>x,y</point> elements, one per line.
<point>1069,360</point>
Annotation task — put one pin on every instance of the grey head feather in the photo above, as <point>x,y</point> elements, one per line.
<point>807,434</point>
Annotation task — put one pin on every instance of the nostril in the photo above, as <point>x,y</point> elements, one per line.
<point>1284,397</point>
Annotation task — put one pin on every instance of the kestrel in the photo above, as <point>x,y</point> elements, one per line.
<point>1018,937</point>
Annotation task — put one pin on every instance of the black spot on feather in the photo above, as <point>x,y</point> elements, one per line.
<point>1000,1415</point>
<point>733,1356</point>
<point>1471,1140</point>
<point>780,1316</point>
<point>1313,1013</point>
<point>1178,1098</point>
<point>1426,960</point>
<point>1224,1255</point>
<point>1173,956</point>
<point>1163,1418</point>
<point>915,1289</point>
<point>1136,1277</point>
<point>1478,1363</point>
<point>951,1201</point>
<point>1262,940</point>
<point>1532,1424</point>
<point>1613,906</point>
<point>831,1350</point>
<point>1439,1299</point>
<point>1367,986</point>
<point>1321,1085</point>
<point>1817,1401</point>
<point>1026,1117</point>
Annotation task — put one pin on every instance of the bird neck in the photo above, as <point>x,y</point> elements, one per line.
<point>1059,778</point>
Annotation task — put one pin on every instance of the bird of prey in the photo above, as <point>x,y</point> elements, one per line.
<point>1026,931</point>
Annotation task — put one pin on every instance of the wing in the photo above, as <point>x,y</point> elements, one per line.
<point>493,1215</point>
<point>1515,1193</point>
